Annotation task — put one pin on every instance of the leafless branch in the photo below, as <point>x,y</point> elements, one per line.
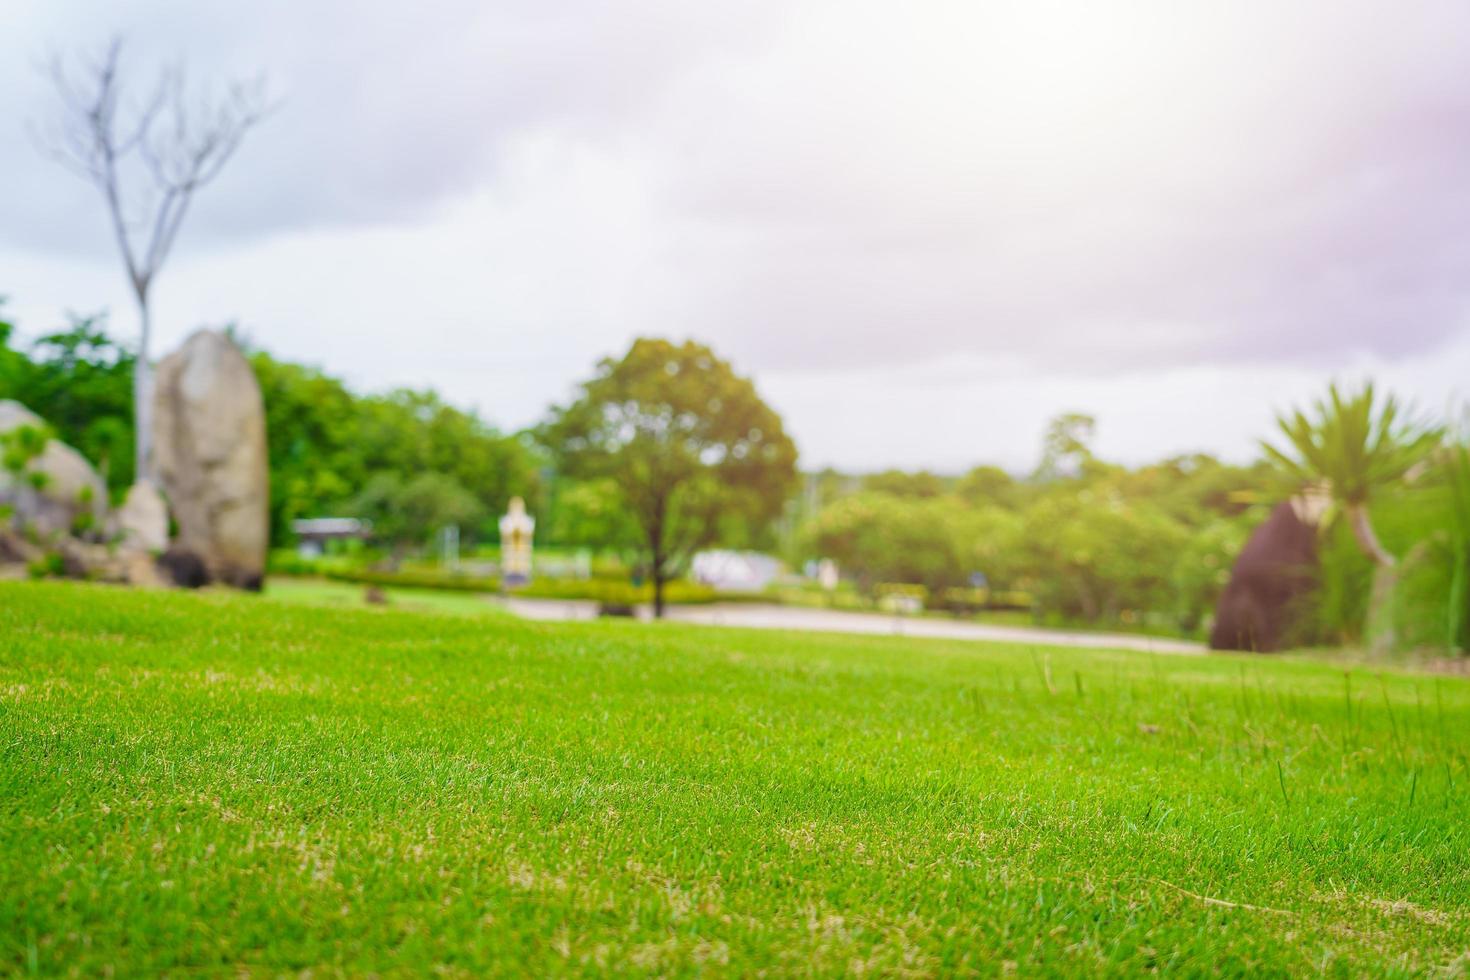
<point>181,146</point>
<point>147,158</point>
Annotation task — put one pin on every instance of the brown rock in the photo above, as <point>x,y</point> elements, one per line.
<point>1275,572</point>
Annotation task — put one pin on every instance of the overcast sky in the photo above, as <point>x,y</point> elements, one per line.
<point>922,226</point>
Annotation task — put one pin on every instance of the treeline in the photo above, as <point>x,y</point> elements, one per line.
<point>667,450</point>
<point>1078,540</point>
<point>81,383</point>
<point>1081,540</point>
<point>405,458</point>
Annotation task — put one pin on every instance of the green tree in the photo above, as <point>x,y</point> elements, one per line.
<point>325,443</point>
<point>15,367</point>
<point>1195,489</point>
<point>992,538</point>
<point>416,431</point>
<point>1455,466</point>
<point>591,514</point>
<point>1095,558</point>
<point>80,381</point>
<point>989,485</point>
<point>1202,569</point>
<point>1066,447</point>
<point>1357,446</point>
<point>407,513</point>
<point>318,456</point>
<point>935,542</point>
<point>688,442</point>
<point>902,484</point>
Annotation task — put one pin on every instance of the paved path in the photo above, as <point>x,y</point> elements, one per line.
<point>762,616</point>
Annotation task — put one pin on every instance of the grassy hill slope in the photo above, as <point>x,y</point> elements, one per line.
<point>211,781</point>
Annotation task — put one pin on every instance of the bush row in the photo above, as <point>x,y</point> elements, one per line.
<point>444,581</point>
<point>617,593</point>
<point>612,592</point>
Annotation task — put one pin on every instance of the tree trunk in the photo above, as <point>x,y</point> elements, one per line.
<point>1087,600</point>
<point>658,588</point>
<point>1380,626</point>
<point>143,398</point>
<point>655,531</point>
<point>1382,634</point>
<point>1367,538</point>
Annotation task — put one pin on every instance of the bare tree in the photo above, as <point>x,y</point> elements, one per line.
<point>148,158</point>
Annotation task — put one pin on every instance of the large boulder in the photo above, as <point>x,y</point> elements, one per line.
<point>1275,573</point>
<point>210,456</point>
<point>58,492</point>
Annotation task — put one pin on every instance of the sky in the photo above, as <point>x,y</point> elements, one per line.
<point>923,227</point>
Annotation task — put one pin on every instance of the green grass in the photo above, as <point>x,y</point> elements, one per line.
<point>341,595</point>
<point>224,783</point>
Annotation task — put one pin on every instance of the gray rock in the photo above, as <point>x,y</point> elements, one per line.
<point>102,563</point>
<point>58,492</point>
<point>143,570</point>
<point>16,550</point>
<point>141,523</point>
<point>210,456</point>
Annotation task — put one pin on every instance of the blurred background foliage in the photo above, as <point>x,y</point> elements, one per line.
<point>1078,541</point>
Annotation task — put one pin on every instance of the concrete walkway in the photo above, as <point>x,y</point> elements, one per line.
<point>773,617</point>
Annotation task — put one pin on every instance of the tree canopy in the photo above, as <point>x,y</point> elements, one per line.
<point>80,381</point>
<point>1357,446</point>
<point>689,444</point>
<point>327,443</point>
<point>408,512</point>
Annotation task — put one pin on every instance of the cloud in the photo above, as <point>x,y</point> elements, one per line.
<point>927,204</point>
<point>1247,184</point>
<point>384,113</point>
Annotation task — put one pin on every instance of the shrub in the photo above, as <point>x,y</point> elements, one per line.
<point>679,592</point>
<point>447,581</point>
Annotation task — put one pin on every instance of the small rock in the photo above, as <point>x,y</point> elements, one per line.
<point>16,550</point>
<point>93,562</point>
<point>141,522</point>
<point>142,569</point>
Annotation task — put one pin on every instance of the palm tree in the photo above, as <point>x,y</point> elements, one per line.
<point>1358,446</point>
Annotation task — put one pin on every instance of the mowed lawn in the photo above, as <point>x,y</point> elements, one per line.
<point>324,592</point>
<point>220,783</point>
